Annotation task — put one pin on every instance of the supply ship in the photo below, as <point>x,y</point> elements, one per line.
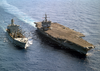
<point>64,36</point>
<point>15,35</point>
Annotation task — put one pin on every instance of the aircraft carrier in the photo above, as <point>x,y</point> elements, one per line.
<point>64,36</point>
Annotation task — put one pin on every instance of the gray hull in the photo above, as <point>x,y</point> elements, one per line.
<point>75,47</point>
<point>15,42</point>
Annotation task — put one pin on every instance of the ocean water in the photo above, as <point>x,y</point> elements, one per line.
<point>80,15</point>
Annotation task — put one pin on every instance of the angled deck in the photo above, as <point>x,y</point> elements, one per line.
<point>62,32</point>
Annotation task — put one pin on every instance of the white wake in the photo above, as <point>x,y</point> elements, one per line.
<point>16,12</point>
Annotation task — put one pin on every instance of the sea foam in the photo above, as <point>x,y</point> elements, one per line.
<point>16,12</point>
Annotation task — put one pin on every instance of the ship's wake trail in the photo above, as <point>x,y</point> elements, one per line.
<point>3,28</point>
<point>16,12</point>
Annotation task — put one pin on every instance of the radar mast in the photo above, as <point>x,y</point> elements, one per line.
<point>46,24</point>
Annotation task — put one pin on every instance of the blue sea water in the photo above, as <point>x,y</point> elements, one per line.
<point>80,15</point>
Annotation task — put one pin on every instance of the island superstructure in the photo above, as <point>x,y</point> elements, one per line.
<point>64,36</point>
<point>15,35</point>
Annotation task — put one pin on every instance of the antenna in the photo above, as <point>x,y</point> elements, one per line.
<point>12,21</point>
<point>46,17</point>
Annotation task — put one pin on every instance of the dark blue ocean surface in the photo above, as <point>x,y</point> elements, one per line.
<point>80,15</point>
